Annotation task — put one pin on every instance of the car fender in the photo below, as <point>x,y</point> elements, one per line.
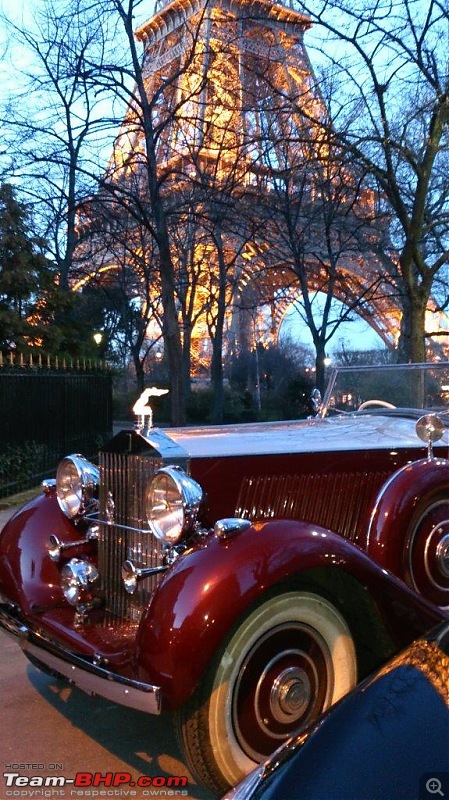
<point>396,506</point>
<point>209,589</point>
<point>28,576</point>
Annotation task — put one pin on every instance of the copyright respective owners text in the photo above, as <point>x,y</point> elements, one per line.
<point>35,781</point>
<point>434,785</point>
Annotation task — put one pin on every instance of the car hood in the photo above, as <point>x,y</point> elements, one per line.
<point>349,432</point>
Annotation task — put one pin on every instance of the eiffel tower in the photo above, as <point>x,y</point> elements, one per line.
<point>234,103</point>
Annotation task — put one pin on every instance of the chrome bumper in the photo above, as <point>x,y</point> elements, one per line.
<point>79,670</point>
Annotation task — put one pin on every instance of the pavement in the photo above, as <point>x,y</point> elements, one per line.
<point>53,729</point>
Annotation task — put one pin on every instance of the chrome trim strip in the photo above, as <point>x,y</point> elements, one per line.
<point>84,674</point>
<point>106,524</point>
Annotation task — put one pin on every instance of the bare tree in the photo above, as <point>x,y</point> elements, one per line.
<point>55,137</point>
<point>118,258</point>
<point>317,212</point>
<point>178,168</point>
<point>324,231</point>
<point>88,61</point>
<point>390,107</point>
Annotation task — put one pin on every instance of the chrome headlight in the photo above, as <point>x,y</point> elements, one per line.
<point>172,503</point>
<point>77,581</point>
<point>77,486</point>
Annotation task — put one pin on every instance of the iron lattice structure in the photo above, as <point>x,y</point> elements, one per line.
<point>260,206</point>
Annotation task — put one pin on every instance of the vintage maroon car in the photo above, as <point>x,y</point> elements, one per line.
<point>243,578</point>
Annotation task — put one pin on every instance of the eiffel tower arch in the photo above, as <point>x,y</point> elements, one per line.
<point>234,101</point>
<point>274,291</point>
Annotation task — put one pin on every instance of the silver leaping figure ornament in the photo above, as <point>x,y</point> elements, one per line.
<point>143,410</point>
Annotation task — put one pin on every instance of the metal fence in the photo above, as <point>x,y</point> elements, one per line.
<point>47,413</point>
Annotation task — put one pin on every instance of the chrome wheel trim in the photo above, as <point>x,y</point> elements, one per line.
<point>442,552</point>
<point>434,555</point>
<point>293,687</point>
<point>290,694</point>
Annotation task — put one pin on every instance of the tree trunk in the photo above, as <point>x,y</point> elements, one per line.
<point>320,367</point>
<point>217,338</point>
<point>140,373</point>
<point>412,345</point>
<point>217,379</point>
<point>172,341</point>
<point>187,360</point>
<point>170,327</point>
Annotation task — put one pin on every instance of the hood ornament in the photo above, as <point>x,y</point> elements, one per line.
<point>143,411</point>
<point>316,403</point>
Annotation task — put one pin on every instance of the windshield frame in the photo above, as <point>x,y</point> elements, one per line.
<point>372,368</point>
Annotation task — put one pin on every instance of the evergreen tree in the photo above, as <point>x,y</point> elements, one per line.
<point>25,274</point>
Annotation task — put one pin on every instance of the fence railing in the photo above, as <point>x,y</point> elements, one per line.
<point>39,360</point>
<point>47,413</point>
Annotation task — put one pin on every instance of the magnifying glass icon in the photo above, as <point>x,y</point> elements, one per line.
<point>433,786</point>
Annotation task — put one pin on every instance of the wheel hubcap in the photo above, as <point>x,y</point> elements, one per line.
<point>443,556</point>
<point>290,694</point>
<point>285,681</point>
<point>428,555</point>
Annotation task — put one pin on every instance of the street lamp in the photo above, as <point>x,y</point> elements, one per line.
<point>98,338</point>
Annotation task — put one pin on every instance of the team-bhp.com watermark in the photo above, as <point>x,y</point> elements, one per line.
<point>90,785</point>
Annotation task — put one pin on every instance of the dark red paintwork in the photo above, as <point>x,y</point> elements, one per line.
<point>201,597</point>
<point>335,520</point>
<point>422,484</point>
<point>223,478</point>
<point>310,553</point>
<point>27,575</point>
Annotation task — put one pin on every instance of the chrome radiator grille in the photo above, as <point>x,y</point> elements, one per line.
<point>123,479</point>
